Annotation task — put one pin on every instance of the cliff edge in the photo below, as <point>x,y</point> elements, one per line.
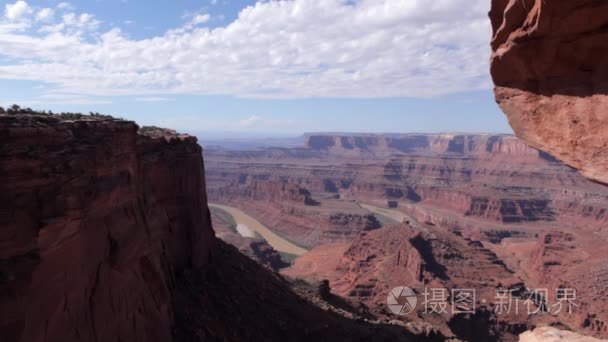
<point>95,221</point>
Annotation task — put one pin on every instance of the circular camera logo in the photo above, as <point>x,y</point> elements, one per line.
<point>401,300</point>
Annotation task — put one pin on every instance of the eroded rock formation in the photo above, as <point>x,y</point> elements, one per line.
<point>425,258</point>
<point>550,67</point>
<point>96,220</point>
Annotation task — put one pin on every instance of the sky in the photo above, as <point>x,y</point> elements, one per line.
<point>245,67</point>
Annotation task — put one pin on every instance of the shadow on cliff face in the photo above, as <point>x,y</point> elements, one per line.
<point>473,327</point>
<point>425,249</point>
<point>483,326</point>
<point>235,299</point>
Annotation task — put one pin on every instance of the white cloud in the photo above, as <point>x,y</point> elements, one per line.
<point>73,99</point>
<point>45,14</point>
<point>65,6</point>
<point>17,10</point>
<point>200,19</point>
<point>153,99</point>
<point>229,123</point>
<point>250,121</point>
<point>274,49</point>
<point>84,20</point>
<point>63,99</point>
<point>194,19</point>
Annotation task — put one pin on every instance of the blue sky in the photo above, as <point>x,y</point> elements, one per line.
<point>255,68</point>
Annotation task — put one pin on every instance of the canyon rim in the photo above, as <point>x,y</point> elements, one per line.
<point>112,231</point>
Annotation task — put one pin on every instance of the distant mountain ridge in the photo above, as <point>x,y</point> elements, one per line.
<point>433,143</point>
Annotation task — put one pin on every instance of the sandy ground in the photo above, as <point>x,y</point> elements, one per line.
<point>273,239</point>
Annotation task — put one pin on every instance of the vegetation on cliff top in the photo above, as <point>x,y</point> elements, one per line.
<point>156,132</point>
<point>17,110</point>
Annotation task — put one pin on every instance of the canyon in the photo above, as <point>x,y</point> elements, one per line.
<point>483,186</point>
<point>107,233</point>
<point>448,210</point>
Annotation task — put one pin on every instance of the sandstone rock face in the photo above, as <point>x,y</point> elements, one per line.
<point>319,264</point>
<point>550,68</point>
<point>95,221</point>
<point>426,258</point>
<point>261,190</point>
<point>555,262</point>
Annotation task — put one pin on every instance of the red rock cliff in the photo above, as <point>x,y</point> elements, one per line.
<point>550,67</point>
<point>95,220</point>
